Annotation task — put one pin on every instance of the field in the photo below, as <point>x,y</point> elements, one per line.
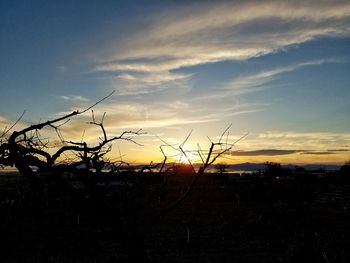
<point>240,219</point>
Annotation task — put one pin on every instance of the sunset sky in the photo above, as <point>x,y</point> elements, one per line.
<point>278,70</point>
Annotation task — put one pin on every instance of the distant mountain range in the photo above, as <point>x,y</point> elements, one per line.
<point>259,166</point>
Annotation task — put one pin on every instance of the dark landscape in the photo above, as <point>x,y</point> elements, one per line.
<point>274,215</point>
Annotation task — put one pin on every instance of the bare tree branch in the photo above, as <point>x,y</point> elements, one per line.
<point>209,160</point>
<point>13,125</point>
<point>26,147</point>
<point>41,125</point>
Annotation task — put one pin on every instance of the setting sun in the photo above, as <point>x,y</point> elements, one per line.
<point>189,157</point>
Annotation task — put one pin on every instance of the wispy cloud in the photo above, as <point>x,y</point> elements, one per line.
<point>265,152</point>
<point>217,31</point>
<point>152,113</point>
<point>133,115</point>
<point>6,123</point>
<point>339,150</point>
<point>3,121</point>
<point>62,68</point>
<point>298,141</point>
<point>147,82</point>
<point>319,153</point>
<point>322,136</point>
<point>259,81</point>
<point>278,152</point>
<point>247,83</point>
<point>292,147</point>
<point>76,98</point>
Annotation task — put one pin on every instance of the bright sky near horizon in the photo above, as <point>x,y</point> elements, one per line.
<point>278,70</point>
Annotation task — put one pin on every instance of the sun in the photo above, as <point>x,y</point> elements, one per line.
<point>189,157</point>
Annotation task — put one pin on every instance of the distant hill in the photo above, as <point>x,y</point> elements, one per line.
<point>258,166</point>
<point>231,167</point>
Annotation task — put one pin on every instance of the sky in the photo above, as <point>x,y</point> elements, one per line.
<point>277,71</point>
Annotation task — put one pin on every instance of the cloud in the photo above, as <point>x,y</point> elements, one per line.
<point>300,142</point>
<point>291,147</point>
<point>147,82</point>
<point>196,34</point>
<point>74,98</point>
<point>3,121</point>
<point>339,150</point>
<point>153,59</point>
<point>62,68</point>
<point>322,136</point>
<point>275,152</point>
<point>6,123</point>
<point>259,81</point>
<point>133,115</point>
<point>253,81</point>
<point>293,140</point>
<point>266,152</point>
<point>320,153</point>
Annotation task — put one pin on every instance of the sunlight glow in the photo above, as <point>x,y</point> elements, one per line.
<point>190,157</point>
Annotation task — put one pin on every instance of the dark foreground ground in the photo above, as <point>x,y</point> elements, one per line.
<point>240,219</point>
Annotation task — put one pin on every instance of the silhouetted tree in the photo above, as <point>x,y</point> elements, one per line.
<point>221,173</point>
<point>216,150</point>
<point>31,154</point>
<point>26,149</point>
<point>344,173</point>
<point>273,170</point>
<point>221,168</point>
<point>345,169</point>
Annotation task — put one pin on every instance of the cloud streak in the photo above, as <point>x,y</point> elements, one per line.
<point>148,82</point>
<point>75,98</point>
<point>251,82</point>
<point>259,81</point>
<point>278,152</point>
<point>299,142</point>
<point>266,152</point>
<point>218,31</point>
